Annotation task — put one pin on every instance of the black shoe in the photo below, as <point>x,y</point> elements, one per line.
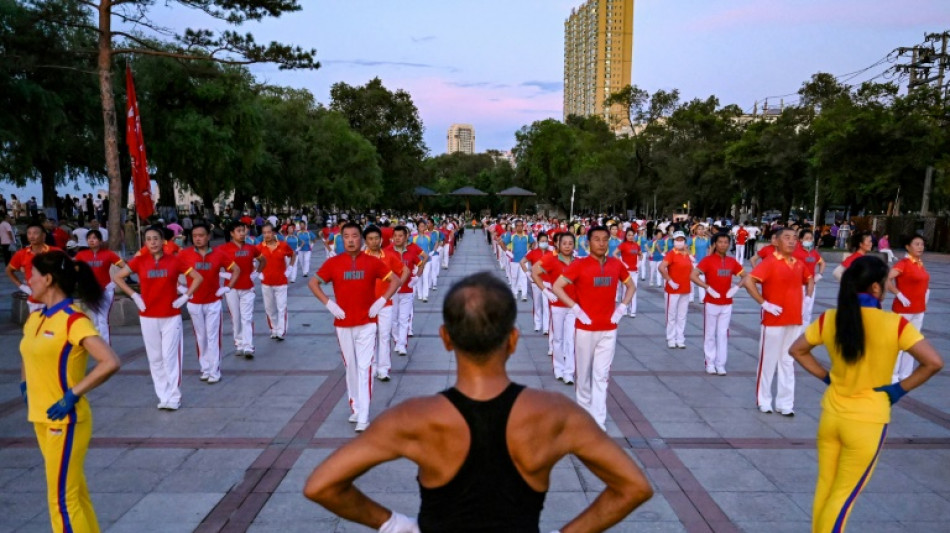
<point>280,338</point>
<point>249,355</point>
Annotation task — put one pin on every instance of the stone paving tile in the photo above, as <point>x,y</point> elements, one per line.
<point>171,512</point>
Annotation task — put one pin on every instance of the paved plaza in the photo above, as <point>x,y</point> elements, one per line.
<point>236,455</point>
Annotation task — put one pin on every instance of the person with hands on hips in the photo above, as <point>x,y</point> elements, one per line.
<point>781,276</point>
<point>676,267</point>
<point>276,254</point>
<point>354,275</point>
<point>909,281</point>
<point>485,448</point>
<point>718,269</point>
<point>57,341</point>
<point>240,299</point>
<point>862,341</point>
<point>101,262</point>
<point>544,274</point>
<point>22,261</point>
<point>595,279</point>
<point>160,312</point>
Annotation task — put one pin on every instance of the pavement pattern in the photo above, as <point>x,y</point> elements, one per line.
<point>235,456</point>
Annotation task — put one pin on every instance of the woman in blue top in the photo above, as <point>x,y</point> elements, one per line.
<point>657,250</point>
<point>583,245</point>
<point>305,240</point>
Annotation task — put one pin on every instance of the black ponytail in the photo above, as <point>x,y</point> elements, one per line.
<point>849,325</point>
<point>72,277</point>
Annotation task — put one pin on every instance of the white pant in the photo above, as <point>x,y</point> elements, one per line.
<point>163,347</point>
<point>716,334</point>
<point>740,253</point>
<point>206,321</point>
<point>905,362</point>
<point>644,266</point>
<point>562,335</point>
<point>593,355</point>
<point>890,255</point>
<point>632,308</point>
<point>773,355</point>
<point>519,280</point>
<point>384,329</point>
<point>401,320</point>
<point>540,309</point>
<point>808,303</point>
<point>444,253</point>
<point>434,271</point>
<point>693,288</point>
<point>358,345</point>
<point>655,277</point>
<point>676,307</point>
<point>303,259</point>
<point>422,288</point>
<point>100,319</point>
<point>291,270</point>
<point>241,307</point>
<point>275,306</point>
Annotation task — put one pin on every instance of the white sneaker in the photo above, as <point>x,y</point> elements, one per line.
<point>361,427</point>
<point>213,379</point>
<point>710,370</point>
<point>171,406</point>
<point>568,380</point>
<point>721,370</point>
<point>205,376</point>
<point>787,413</point>
<point>382,377</point>
<point>681,346</point>
<point>353,418</point>
<point>764,409</point>
<point>161,405</point>
<point>671,345</point>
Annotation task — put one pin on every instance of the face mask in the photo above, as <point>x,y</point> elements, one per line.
<point>808,245</point>
<point>679,245</point>
<point>543,245</point>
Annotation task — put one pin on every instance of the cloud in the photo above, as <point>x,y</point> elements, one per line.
<point>423,39</point>
<point>376,63</point>
<point>478,84</point>
<point>545,86</point>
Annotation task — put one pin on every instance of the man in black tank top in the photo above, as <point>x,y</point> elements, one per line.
<point>485,448</point>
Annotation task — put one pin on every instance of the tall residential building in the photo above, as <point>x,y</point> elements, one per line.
<point>461,138</point>
<point>598,59</point>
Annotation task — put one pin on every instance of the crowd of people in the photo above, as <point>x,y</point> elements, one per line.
<point>582,276</point>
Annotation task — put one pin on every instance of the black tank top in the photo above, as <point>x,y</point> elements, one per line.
<point>487,493</point>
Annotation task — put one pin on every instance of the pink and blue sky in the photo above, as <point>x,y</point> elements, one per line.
<point>498,64</point>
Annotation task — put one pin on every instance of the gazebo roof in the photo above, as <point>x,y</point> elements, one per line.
<point>515,191</point>
<point>424,191</point>
<point>468,191</point>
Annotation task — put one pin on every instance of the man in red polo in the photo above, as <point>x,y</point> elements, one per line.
<point>240,298</point>
<point>595,279</point>
<point>676,268</point>
<point>742,235</point>
<point>354,275</point>
<point>22,261</point>
<point>384,320</point>
<point>781,277</point>
<point>413,258</point>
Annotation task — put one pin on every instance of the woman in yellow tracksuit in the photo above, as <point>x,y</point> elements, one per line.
<point>56,342</point>
<point>862,341</point>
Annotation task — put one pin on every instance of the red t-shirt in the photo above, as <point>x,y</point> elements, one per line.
<point>100,262</point>
<point>719,271</point>
<point>629,254</point>
<point>387,235</point>
<point>535,255</point>
<point>679,265</point>
<point>741,236</point>
<point>851,258</point>
<point>552,267</point>
<point>782,282</point>
<point>208,265</point>
<point>913,283</point>
<point>410,257</point>
<point>394,264</point>
<point>23,260</point>
<point>158,280</point>
<point>811,258</point>
<point>596,289</point>
<point>275,267</point>
<point>354,285</point>
<point>61,238</point>
<point>767,251</point>
<point>168,248</point>
<point>243,256</point>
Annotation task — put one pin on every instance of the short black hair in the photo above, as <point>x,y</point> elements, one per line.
<point>94,233</point>
<point>401,229</point>
<point>203,226</point>
<point>351,225</point>
<point>235,224</point>
<point>479,313</point>
<point>372,229</point>
<point>35,225</point>
<point>720,235</point>
<point>590,232</point>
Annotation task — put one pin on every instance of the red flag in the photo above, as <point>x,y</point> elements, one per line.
<point>141,185</point>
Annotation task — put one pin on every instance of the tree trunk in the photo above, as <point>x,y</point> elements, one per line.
<point>48,181</point>
<point>110,136</point>
<point>166,190</point>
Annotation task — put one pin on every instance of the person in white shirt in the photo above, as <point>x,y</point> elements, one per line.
<point>80,234</point>
<point>7,237</point>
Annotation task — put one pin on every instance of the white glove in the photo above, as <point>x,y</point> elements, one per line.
<point>222,291</point>
<point>399,523</point>
<point>549,294</point>
<point>771,308</point>
<point>377,306</point>
<point>139,302</point>
<point>180,301</point>
<point>581,315</point>
<point>818,277</point>
<point>182,289</point>
<point>287,272</point>
<point>413,282</point>
<point>255,275</point>
<point>336,310</point>
<point>224,275</point>
<point>26,288</point>
<point>618,314</point>
<point>673,285</point>
<point>732,292</point>
<point>713,292</point>
<point>546,284</point>
<point>903,299</point>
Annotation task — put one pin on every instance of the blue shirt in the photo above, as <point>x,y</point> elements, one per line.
<point>291,241</point>
<point>305,238</point>
<point>583,247</point>
<point>423,241</point>
<point>519,245</point>
<point>700,247</point>
<point>659,247</point>
<point>612,245</point>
